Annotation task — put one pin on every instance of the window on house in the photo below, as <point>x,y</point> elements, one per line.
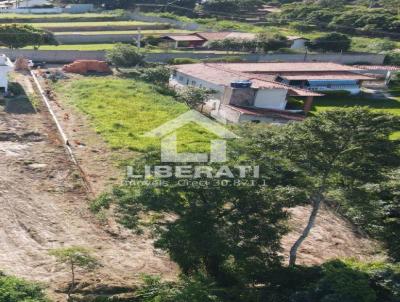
<point>181,78</point>
<point>187,82</point>
<point>194,83</point>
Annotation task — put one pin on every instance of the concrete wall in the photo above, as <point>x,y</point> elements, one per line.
<point>107,28</point>
<point>66,56</point>
<point>55,10</point>
<point>90,39</point>
<point>55,56</point>
<point>271,98</point>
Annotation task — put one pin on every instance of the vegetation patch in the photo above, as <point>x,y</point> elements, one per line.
<point>123,110</point>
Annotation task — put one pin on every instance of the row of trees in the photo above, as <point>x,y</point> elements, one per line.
<point>333,42</point>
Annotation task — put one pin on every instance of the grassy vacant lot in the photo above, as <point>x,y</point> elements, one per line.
<point>391,106</point>
<point>122,110</point>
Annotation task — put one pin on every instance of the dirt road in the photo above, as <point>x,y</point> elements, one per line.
<point>44,206</point>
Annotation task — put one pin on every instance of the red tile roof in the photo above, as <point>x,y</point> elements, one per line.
<point>217,74</point>
<point>213,36</point>
<point>187,38</point>
<point>286,67</point>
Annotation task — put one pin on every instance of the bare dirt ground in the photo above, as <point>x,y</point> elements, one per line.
<point>44,206</point>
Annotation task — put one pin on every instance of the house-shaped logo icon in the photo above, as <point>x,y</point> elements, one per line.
<point>169,147</point>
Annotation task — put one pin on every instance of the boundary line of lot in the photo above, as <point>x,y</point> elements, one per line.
<point>61,132</point>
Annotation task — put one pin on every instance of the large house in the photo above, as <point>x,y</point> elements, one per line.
<point>5,67</point>
<point>260,91</point>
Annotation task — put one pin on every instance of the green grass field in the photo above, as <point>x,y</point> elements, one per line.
<point>122,110</point>
<point>391,106</point>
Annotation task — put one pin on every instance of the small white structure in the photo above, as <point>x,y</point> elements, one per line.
<point>297,42</point>
<point>5,67</point>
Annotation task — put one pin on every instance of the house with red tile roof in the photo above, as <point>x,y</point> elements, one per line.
<point>260,91</point>
<point>201,39</point>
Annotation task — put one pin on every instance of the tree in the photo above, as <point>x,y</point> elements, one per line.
<point>194,97</point>
<point>124,55</point>
<point>229,232</point>
<point>334,42</point>
<point>268,42</point>
<point>157,75</point>
<point>21,35</point>
<point>336,151</point>
<point>75,257</point>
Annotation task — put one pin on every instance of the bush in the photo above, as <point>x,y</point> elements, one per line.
<point>331,42</point>
<point>124,55</point>
<point>157,75</point>
<point>13,289</point>
<point>101,202</point>
<point>179,61</point>
<point>227,59</point>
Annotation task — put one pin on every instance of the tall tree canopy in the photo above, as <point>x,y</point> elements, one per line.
<point>21,35</point>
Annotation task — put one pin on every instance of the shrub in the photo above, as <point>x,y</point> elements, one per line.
<point>13,289</point>
<point>157,75</point>
<point>227,59</point>
<point>124,55</point>
<point>331,42</point>
<point>101,202</point>
<point>179,61</point>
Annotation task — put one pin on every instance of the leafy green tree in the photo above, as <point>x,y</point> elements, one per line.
<point>335,151</point>
<point>157,75</point>
<point>21,35</point>
<point>13,289</point>
<point>334,42</point>
<point>124,55</point>
<point>75,257</point>
<point>193,96</point>
<point>230,232</point>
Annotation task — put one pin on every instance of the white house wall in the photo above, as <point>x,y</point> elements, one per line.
<point>4,77</point>
<point>184,79</point>
<point>271,99</point>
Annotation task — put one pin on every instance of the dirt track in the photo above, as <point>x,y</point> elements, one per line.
<point>44,206</point>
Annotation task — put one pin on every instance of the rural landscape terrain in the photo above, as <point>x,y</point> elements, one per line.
<point>108,107</point>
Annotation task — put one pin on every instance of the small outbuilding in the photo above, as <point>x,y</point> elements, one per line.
<point>5,67</point>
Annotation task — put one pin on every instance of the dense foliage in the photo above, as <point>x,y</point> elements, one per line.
<point>333,42</point>
<point>13,289</point>
<point>348,19</point>
<point>21,35</point>
<point>125,55</point>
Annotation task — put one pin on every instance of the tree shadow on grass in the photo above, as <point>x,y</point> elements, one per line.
<point>19,102</point>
